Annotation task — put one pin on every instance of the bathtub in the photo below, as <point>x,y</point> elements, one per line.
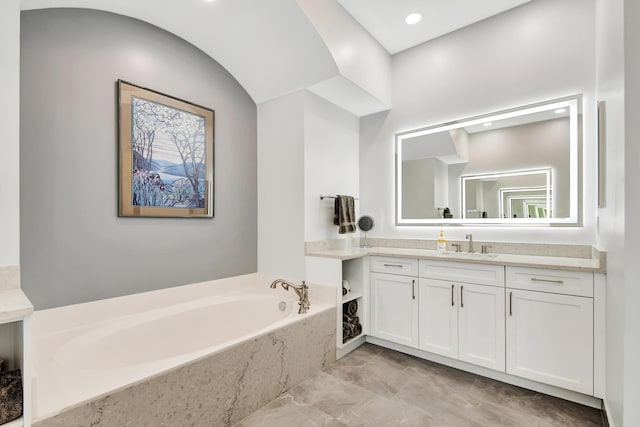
<point>84,352</point>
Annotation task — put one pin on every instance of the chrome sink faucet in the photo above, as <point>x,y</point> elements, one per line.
<point>302,291</point>
<point>470,237</point>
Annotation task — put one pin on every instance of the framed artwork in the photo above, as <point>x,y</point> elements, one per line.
<point>166,165</point>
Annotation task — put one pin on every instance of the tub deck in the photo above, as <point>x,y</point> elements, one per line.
<point>90,352</point>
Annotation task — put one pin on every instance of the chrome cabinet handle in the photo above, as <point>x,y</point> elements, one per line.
<point>461,297</point>
<point>393,265</point>
<point>510,303</point>
<point>535,279</point>
<point>413,289</point>
<point>452,302</point>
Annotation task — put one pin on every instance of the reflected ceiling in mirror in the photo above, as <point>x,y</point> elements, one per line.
<point>518,166</point>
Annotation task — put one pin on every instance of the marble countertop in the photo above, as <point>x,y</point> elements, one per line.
<point>14,305</point>
<point>535,261</point>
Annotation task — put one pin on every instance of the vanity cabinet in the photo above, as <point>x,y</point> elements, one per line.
<point>461,319</point>
<point>394,300</point>
<point>550,332</point>
<point>541,328</point>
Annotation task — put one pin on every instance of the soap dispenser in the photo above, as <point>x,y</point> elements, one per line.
<point>442,242</point>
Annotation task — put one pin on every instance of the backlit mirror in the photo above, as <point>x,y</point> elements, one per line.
<point>495,195</point>
<point>518,166</point>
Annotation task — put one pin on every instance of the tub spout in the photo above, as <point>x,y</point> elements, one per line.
<point>302,291</point>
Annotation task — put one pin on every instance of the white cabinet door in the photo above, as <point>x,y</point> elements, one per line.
<point>481,326</point>
<point>438,317</point>
<point>394,308</point>
<point>550,338</point>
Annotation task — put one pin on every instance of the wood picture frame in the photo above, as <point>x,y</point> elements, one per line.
<point>166,155</point>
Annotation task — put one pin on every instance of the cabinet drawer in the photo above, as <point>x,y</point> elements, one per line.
<point>577,283</point>
<point>482,274</point>
<point>394,265</point>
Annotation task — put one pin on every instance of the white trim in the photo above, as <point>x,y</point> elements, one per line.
<point>599,335</point>
<point>350,346</point>
<point>27,376</point>
<point>607,412</point>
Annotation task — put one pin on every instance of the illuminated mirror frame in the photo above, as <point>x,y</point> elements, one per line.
<point>505,193</point>
<point>573,103</point>
<point>546,173</point>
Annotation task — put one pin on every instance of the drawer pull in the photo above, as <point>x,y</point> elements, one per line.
<point>461,297</point>
<point>413,289</point>
<point>393,265</point>
<point>535,279</point>
<point>510,303</point>
<point>452,303</point>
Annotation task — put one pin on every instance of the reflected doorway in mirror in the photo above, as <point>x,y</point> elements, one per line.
<point>496,195</point>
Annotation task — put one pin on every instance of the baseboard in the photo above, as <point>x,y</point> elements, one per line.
<point>572,396</point>
<point>350,346</point>
<point>605,415</point>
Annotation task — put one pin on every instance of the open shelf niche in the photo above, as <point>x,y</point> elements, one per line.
<point>353,306</point>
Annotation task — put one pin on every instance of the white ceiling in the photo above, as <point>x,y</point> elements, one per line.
<point>384,19</point>
<point>270,47</point>
<point>275,47</point>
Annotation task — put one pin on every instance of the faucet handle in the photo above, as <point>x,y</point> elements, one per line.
<point>457,246</point>
<point>485,249</point>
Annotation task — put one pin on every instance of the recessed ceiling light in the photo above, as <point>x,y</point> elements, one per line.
<point>413,18</point>
<point>560,110</point>
<point>487,124</point>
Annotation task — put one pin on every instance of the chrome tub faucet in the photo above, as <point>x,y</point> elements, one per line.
<point>302,291</point>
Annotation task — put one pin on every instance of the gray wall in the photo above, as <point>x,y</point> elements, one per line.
<point>424,188</point>
<point>74,248</point>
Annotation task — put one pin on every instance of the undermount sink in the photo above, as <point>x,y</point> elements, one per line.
<point>453,254</point>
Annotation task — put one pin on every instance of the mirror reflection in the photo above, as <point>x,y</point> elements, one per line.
<point>497,195</point>
<point>514,166</point>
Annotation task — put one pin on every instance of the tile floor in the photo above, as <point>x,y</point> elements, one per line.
<point>374,386</point>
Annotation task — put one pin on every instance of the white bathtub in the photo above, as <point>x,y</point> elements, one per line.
<point>85,351</point>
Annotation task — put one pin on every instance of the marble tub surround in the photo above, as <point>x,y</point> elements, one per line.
<point>560,256</point>
<point>9,277</point>
<point>373,386</point>
<point>331,244</point>
<point>219,390</point>
<point>86,353</point>
<point>14,304</point>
